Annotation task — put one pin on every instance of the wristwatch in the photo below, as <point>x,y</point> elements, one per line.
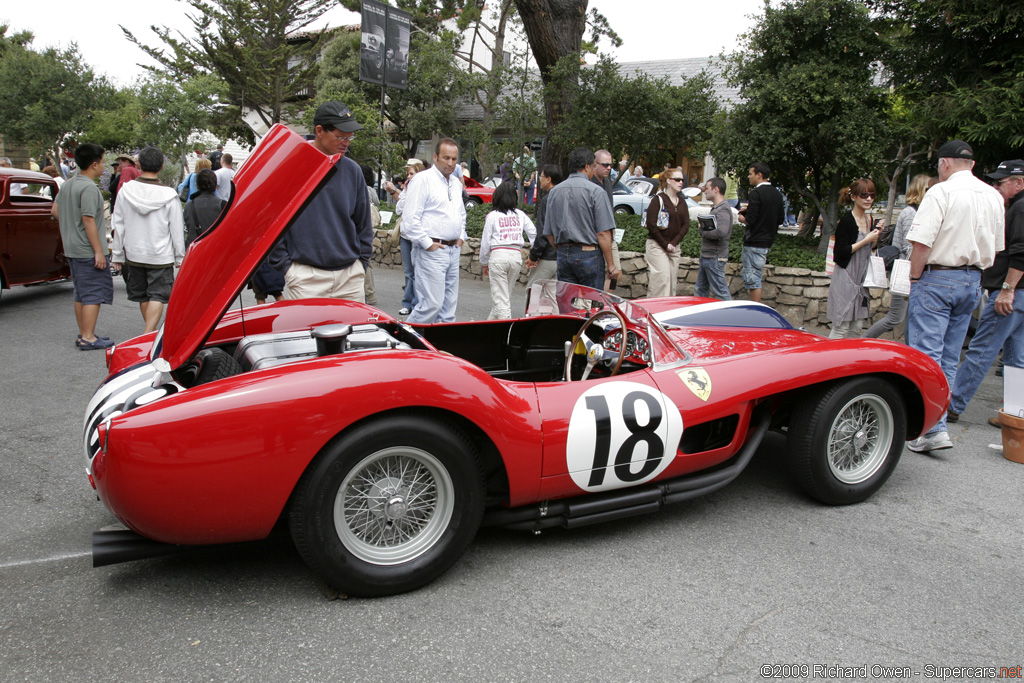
<point>1007,285</point>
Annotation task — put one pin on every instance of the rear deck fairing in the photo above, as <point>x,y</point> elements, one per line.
<point>134,387</point>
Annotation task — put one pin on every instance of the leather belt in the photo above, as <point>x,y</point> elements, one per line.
<point>447,243</point>
<point>584,247</point>
<point>933,266</point>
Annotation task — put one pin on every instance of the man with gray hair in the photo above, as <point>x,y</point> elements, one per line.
<point>602,177</point>
<point>579,222</point>
<point>15,188</point>
<point>955,235</point>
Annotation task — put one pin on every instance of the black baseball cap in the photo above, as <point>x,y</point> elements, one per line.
<point>956,149</point>
<point>1013,167</point>
<point>337,115</point>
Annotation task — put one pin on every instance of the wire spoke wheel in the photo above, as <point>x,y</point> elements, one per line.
<point>394,505</point>
<point>845,438</point>
<point>860,438</point>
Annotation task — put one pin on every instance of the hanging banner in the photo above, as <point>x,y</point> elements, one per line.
<point>384,47</point>
<point>372,45</point>
<point>396,72</point>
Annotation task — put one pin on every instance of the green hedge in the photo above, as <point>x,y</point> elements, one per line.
<point>788,250</point>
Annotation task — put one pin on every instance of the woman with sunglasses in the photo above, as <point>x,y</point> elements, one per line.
<point>667,221</point>
<point>898,305</point>
<point>848,299</point>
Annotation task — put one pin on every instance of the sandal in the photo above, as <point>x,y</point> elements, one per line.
<point>98,336</point>
<point>100,343</point>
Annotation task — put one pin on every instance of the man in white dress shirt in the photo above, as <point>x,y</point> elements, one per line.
<point>434,220</point>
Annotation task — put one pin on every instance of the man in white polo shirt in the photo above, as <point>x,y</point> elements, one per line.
<point>434,220</point>
<point>955,235</point>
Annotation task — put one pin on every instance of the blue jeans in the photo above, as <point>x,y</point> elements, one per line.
<point>409,293</point>
<point>993,332</point>
<point>711,279</point>
<point>437,284</point>
<point>754,259</point>
<point>941,303</point>
<point>581,267</point>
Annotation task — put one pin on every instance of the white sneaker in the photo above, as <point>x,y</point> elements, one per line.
<point>935,442</point>
<point>404,311</point>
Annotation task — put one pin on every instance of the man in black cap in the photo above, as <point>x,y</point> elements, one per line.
<point>327,250</point>
<point>1002,320</point>
<point>955,235</point>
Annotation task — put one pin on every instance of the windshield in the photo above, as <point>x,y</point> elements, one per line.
<point>551,297</point>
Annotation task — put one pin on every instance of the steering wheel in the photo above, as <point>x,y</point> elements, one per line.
<point>595,352</point>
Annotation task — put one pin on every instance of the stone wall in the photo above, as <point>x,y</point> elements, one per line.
<point>799,294</point>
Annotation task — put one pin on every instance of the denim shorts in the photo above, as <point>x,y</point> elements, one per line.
<point>93,286</point>
<point>754,259</point>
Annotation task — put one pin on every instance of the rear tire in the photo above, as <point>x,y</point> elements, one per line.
<point>389,506</point>
<point>846,439</point>
<point>624,210</point>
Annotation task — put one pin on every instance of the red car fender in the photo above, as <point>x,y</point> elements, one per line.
<point>172,469</point>
<point>753,376</point>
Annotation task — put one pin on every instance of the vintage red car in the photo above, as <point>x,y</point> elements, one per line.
<point>383,446</point>
<point>478,194</point>
<point>31,250</point>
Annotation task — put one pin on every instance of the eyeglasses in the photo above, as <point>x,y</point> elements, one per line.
<point>866,195</point>
<point>608,165</point>
<point>999,183</point>
<point>674,178</point>
<point>343,138</point>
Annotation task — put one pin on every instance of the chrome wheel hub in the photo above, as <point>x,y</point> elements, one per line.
<point>860,438</point>
<point>394,505</point>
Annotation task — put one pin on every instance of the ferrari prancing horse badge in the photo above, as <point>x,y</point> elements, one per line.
<point>698,381</point>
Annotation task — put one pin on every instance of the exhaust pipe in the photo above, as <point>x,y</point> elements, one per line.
<point>124,545</point>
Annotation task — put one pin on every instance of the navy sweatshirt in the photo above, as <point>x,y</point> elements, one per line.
<point>334,230</point>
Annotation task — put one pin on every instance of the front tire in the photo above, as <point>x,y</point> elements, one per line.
<point>472,204</point>
<point>623,210</point>
<point>389,506</point>
<point>846,439</point>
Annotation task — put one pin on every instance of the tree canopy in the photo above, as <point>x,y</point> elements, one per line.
<point>642,116</point>
<point>813,107</point>
<point>250,45</point>
<point>46,96</point>
<point>956,66</point>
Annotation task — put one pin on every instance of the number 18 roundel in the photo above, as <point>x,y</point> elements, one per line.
<point>621,434</point>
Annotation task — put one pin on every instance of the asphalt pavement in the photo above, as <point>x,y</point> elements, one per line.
<point>925,575</point>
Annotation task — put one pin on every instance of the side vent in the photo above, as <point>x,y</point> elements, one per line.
<point>708,436</point>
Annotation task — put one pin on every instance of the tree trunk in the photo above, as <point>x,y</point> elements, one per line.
<point>554,29</point>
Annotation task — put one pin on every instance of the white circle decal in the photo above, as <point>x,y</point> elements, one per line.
<point>621,434</point>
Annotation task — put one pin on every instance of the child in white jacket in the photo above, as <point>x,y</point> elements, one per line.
<point>501,247</point>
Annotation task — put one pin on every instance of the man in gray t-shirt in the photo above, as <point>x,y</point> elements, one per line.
<point>79,210</point>
<point>579,222</point>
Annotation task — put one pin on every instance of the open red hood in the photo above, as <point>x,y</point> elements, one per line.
<point>270,189</point>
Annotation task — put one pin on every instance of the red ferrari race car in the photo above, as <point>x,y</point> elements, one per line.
<point>383,446</point>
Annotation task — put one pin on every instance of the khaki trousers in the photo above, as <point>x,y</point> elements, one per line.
<point>306,282</point>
